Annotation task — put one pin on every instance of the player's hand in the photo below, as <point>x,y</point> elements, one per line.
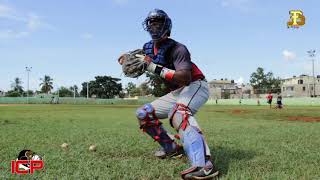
<point>121,59</point>
<point>151,66</point>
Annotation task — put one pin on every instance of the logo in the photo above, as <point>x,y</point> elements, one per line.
<point>207,172</point>
<point>27,162</point>
<point>297,19</point>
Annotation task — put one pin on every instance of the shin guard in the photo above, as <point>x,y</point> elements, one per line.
<point>194,146</point>
<point>193,141</point>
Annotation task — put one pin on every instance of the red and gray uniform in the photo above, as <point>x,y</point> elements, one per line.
<point>179,105</point>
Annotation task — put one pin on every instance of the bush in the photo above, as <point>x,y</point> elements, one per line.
<point>13,94</point>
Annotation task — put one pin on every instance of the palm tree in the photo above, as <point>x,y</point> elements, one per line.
<point>16,85</point>
<point>46,84</point>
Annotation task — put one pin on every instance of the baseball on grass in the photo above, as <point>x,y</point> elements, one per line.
<point>64,145</point>
<point>93,147</point>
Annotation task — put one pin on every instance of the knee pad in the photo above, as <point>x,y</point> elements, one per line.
<point>150,124</point>
<point>147,117</point>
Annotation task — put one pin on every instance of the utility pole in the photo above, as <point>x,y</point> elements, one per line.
<point>74,91</point>
<point>87,90</point>
<point>28,69</point>
<point>312,54</point>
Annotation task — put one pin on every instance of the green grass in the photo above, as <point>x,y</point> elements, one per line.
<point>248,142</point>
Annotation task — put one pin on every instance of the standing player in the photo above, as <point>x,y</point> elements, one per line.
<point>269,98</point>
<point>279,101</point>
<point>189,91</point>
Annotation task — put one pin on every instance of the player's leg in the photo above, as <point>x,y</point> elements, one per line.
<point>191,98</point>
<point>270,103</point>
<point>149,116</point>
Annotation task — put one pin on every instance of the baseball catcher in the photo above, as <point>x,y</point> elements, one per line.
<point>171,60</point>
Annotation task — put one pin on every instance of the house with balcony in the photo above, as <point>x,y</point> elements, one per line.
<point>301,86</point>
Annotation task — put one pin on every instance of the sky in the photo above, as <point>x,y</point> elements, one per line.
<point>73,41</point>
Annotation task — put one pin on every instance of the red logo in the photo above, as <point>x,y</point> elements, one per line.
<point>25,166</point>
<point>27,162</point>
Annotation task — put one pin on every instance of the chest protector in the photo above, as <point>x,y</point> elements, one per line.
<point>159,58</point>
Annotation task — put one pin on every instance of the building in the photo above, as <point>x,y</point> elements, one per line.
<point>247,91</point>
<point>224,89</point>
<point>302,86</point>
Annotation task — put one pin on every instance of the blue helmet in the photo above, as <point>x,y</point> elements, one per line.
<point>158,24</point>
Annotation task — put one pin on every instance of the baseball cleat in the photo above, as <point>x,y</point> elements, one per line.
<point>200,173</point>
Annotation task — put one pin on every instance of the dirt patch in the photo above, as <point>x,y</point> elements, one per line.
<point>221,111</point>
<point>304,118</point>
<point>4,105</point>
<point>239,111</point>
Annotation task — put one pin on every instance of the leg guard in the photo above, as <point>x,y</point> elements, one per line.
<point>193,142</point>
<point>193,145</point>
<point>150,124</point>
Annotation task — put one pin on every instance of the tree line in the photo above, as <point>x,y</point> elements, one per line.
<point>107,87</point>
<point>17,89</point>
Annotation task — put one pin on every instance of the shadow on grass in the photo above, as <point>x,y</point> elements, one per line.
<point>7,122</point>
<point>223,156</point>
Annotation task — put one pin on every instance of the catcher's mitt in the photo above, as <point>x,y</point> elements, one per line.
<point>133,64</point>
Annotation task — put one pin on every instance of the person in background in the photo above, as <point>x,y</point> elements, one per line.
<point>269,99</point>
<point>279,101</point>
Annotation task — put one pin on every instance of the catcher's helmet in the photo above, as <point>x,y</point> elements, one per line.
<point>158,24</point>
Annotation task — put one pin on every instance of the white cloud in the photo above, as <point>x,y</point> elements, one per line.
<point>239,81</point>
<point>5,11</point>
<point>33,22</point>
<point>86,36</point>
<point>10,34</point>
<point>288,55</point>
<point>30,23</point>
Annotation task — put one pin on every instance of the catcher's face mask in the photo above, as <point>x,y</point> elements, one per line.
<point>158,24</point>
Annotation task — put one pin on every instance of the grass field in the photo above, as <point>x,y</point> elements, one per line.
<point>248,142</point>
